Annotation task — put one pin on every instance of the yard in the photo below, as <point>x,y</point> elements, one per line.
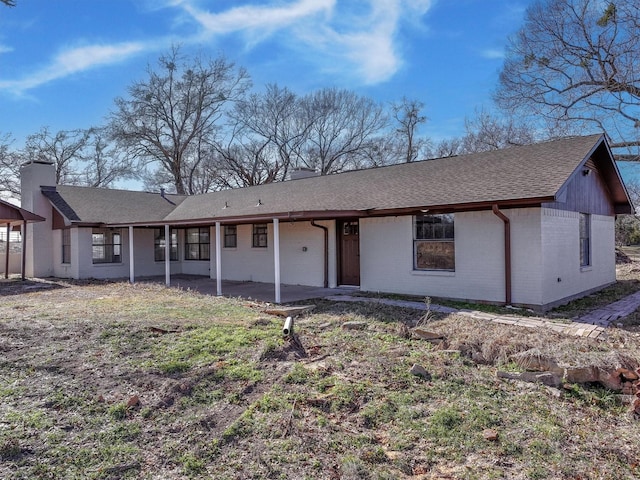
<point>111,380</point>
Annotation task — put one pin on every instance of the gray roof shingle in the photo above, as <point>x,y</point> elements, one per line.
<point>525,173</point>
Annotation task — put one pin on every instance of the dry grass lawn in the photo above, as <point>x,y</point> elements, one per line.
<point>116,381</point>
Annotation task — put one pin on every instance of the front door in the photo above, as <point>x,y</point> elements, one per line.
<point>349,243</point>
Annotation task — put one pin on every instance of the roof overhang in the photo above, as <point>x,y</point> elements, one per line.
<point>13,214</point>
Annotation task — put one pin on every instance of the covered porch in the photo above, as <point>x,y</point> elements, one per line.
<point>263,292</point>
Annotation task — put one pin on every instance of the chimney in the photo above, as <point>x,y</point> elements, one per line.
<point>39,237</point>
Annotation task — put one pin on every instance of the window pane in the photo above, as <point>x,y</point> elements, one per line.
<point>191,251</point>
<point>260,235</point>
<point>435,255</point>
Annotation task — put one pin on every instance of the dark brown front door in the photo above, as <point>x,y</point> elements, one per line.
<point>349,242</point>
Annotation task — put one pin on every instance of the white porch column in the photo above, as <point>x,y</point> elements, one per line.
<point>131,259</point>
<point>276,256</point>
<point>6,256</point>
<point>167,256</point>
<point>218,261</point>
<point>23,255</point>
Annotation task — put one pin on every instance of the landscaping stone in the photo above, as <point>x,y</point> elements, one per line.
<point>546,378</point>
<point>490,435</point>
<point>425,334</point>
<point>420,371</point>
<point>353,325</point>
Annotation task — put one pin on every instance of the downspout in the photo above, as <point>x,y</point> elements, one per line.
<point>326,252</point>
<point>507,253</point>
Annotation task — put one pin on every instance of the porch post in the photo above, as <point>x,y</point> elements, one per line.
<point>6,256</point>
<point>167,256</point>
<point>218,261</point>
<point>276,256</point>
<point>131,259</point>
<point>23,237</point>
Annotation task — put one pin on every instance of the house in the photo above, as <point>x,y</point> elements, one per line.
<point>530,225</point>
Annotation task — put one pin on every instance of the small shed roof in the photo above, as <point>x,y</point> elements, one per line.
<point>10,213</point>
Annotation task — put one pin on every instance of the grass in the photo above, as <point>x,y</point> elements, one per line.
<point>222,395</point>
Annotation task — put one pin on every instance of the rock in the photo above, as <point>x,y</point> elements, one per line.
<point>100,399</point>
<point>354,325</point>
<point>420,371</point>
<point>490,435</point>
<point>627,375</point>
<point>133,401</point>
<point>611,380</point>
<point>536,361</point>
<point>636,406</point>
<point>582,375</point>
<point>425,334</point>
<point>546,378</point>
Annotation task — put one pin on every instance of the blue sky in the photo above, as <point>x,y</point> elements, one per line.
<point>63,62</point>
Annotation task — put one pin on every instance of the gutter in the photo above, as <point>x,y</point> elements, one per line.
<point>326,252</point>
<point>507,252</point>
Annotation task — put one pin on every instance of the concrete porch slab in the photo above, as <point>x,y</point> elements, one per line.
<point>263,292</point>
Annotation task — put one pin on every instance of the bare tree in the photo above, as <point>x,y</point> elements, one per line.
<point>269,130</point>
<point>168,118</point>
<point>9,3</point>
<point>343,125</point>
<point>576,62</point>
<point>63,148</point>
<point>10,161</point>
<point>408,116</point>
<point>485,132</point>
<point>102,164</point>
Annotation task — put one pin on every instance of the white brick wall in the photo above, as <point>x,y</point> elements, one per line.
<point>561,255</point>
<point>301,255</point>
<point>386,253</point>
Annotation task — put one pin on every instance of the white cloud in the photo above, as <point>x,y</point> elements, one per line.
<point>354,38</point>
<point>493,53</point>
<point>74,60</point>
<point>346,36</point>
<point>251,17</point>
<point>5,49</point>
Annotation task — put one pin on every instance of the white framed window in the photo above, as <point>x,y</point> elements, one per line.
<point>66,245</point>
<point>434,242</point>
<point>585,240</point>
<point>196,243</point>
<point>259,235</point>
<point>230,236</point>
<point>106,245</point>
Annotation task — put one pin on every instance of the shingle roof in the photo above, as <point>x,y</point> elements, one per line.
<point>532,173</point>
<point>101,205</point>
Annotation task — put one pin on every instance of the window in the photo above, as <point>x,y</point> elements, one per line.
<point>106,246</point>
<point>66,245</point>
<point>159,245</point>
<point>196,243</point>
<point>230,236</point>
<point>585,240</point>
<point>433,243</point>
<point>260,235</point>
